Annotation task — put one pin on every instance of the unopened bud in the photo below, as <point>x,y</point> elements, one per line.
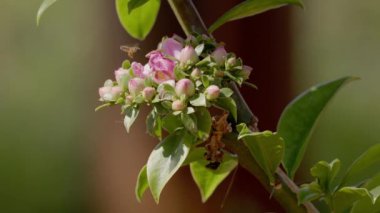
<point>148,93</point>
<point>185,87</point>
<point>121,76</point>
<point>196,73</point>
<point>219,55</point>
<point>246,72</point>
<point>188,55</point>
<point>128,100</point>
<point>135,86</point>
<point>178,105</point>
<point>231,62</point>
<point>212,92</point>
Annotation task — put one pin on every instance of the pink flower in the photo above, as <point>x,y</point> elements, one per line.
<point>219,55</point>
<point>187,55</point>
<point>110,93</point>
<point>135,86</point>
<point>162,68</point>
<point>122,76</point>
<point>171,47</point>
<point>212,92</point>
<point>185,87</point>
<point>141,71</point>
<point>148,93</point>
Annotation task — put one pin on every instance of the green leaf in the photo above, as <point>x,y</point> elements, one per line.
<point>190,123</point>
<point>268,149</point>
<point>345,197</point>
<point>142,184</point>
<point>195,154</point>
<point>326,174</point>
<point>166,159</point>
<point>131,114</point>
<point>250,8</point>
<point>366,166</point>
<point>44,6</point>
<point>226,92</point>
<point>207,179</point>
<point>204,122</point>
<point>309,192</point>
<point>227,104</point>
<point>132,4</point>
<point>299,117</point>
<point>171,123</point>
<point>137,19</point>
<point>154,124</point>
<point>199,100</point>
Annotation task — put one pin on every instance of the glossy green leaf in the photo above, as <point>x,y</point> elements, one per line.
<point>154,124</point>
<point>227,104</point>
<point>190,123</point>
<point>142,184</point>
<point>345,197</point>
<point>137,19</point>
<point>365,167</point>
<point>44,6</point>
<point>326,174</point>
<point>299,117</point>
<point>207,179</point>
<point>250,8</point>
<point>267,148</point>
<point>367,205</point>
<point>226,92</point>
<point>166,159</point>
<point>199,100</point>
<point>171,123</point>
<point>195,154</point>
<point>309,192</point>
<point>131,114</point>
<point>204,122</point>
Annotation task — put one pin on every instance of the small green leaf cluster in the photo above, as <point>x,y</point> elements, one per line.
<point>182,79</point>
<point>357,191</point>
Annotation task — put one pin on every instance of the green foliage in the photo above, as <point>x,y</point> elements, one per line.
<point>204,122</point>
<point>142,183</point>
<point>131,114</point>
<point>365,167</point>
<point>266,147</point>
<point>227,104</point>
<point>166,159</point>
<point>207,179</point>
<point>250,8</point>
<point>137,17</point>
<point>339,196</point>
<point>154,124</point>
<point>299,117</point>
<point>44,6</point>
<point>199,100</point>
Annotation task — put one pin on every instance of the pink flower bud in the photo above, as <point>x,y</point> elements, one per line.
<point>219,55</point>
<point>108,93</point>
<point>104,91</point>
<point>246,72</point>
<point>135,86</point>
<point>188,55</point>
<point>128,100</point>
<point>148,93</point>
<point>196,73</point>
<point>178,105</point>
<point>212,92</point>
<point>121,76</point>
<point>185,87</point>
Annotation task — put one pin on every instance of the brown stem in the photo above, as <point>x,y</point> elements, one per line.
<point>285,192</point>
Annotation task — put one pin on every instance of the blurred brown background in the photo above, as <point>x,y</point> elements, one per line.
<point>58,155</point>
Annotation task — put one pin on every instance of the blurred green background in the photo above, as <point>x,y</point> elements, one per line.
<point>57,155</point>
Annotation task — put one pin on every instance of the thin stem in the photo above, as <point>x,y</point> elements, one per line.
<point>285,192</point>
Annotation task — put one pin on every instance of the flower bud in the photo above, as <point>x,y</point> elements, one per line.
<point>231,62</point>
<point>171,47</point>
<point>148,93</point>
<point>128,100</point>
<point>185,87</point>
<point>108,93</point>
<point>196,73</point>
<point>122,76</point>
<point>219,55</point>
<point>212,92</point>
<point>188,55</point>
<point>178,105</point>
<point>135,86</point>
<point>246,72</point>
